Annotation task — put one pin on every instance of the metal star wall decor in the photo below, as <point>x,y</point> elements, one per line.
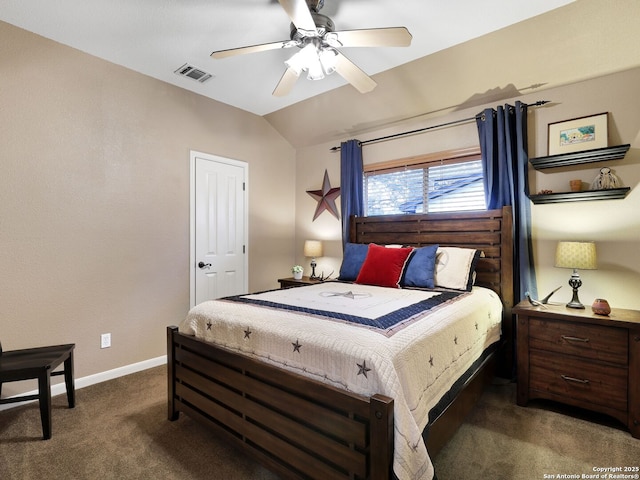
<point>326,198</point>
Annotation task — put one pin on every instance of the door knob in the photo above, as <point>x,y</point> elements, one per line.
<point>204,265</point>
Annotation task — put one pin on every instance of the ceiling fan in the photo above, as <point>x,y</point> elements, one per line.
<point>314,34</point>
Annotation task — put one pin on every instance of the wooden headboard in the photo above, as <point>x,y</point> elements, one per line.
<point>490,231</point>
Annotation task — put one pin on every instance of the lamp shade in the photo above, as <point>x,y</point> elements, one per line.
<point>312,248</point>
<point>580,255</point>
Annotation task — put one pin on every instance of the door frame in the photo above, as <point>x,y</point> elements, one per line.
<point>193,154</point>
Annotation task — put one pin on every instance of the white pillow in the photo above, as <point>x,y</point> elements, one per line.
<point>455,267</point>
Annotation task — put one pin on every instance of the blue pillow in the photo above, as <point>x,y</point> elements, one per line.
<point>421,268</point>
<point>353,258</point>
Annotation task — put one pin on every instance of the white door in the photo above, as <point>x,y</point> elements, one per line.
<point>219,227</point>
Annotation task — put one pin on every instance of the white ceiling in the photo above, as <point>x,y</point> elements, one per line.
<point>156,37</point>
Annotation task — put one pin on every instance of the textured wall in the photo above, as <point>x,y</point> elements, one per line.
<point>94,201</point>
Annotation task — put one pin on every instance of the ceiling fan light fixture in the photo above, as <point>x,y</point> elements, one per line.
<point>308,60</point>
<point>314,70</point>
<point>303,58</point>
<point>317,60</point>
<point>328,58</point>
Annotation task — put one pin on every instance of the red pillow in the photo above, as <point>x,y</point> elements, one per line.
<point>383,266</point>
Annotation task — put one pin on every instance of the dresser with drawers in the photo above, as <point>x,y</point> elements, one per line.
<point>582,359</point>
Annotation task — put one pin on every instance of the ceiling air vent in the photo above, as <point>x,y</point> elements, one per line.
<point>194,73</point>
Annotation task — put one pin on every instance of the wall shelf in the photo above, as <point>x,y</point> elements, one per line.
<point>611,194</point>
<point>577,158</point>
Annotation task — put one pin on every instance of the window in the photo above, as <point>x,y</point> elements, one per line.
<point>425,187</point>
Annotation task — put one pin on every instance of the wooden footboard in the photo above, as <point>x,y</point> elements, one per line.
<point>295,426</point>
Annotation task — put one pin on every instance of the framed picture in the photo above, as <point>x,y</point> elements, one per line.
<point>577,134</point>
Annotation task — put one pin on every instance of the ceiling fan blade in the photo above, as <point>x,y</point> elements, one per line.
<point>352,74</point>
<point>286,83</point>
<point>299,14</point>
<point>253,49</point>
<point>371,37</point>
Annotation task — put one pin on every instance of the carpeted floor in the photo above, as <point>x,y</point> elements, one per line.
<point>119,430</point>
<point>500,440</point>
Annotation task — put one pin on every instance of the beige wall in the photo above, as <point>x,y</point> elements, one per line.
<point>94,201</point>
<point>613,224</point>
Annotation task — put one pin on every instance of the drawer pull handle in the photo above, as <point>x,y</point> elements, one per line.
<point>575,339</point>
<point>576,380</point>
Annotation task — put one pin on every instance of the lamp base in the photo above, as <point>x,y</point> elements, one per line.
<point>575,283</point>
<point>573,304</point>
<point>313,270</point>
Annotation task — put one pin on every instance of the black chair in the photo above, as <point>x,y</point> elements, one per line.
<point>40,363</point>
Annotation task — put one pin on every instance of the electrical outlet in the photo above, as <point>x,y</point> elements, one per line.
<point>105,340</point>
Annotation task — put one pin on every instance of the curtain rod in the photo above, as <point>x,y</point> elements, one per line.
<point>411,132</point>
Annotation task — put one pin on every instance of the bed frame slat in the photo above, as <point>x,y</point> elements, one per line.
<point>301,410</point>
<point>470,240</point>
<point>263,433</point>
<point>297,385</point>
<point>309,466</point>
<point>421,224</point>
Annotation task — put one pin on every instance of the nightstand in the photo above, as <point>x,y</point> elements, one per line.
<point>578,358</point>
<point>292,282</point>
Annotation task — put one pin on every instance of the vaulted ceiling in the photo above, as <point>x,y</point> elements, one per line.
<point>462,53</point>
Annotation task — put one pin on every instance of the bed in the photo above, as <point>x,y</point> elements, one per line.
<point>300,425</point>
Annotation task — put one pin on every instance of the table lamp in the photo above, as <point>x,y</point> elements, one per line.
<point>576,255</point>
<point>313,249</point>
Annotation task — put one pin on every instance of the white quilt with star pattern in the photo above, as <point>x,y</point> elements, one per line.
<point>415,366</point>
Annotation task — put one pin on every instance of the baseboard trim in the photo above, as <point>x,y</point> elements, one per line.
<point>59,388</point>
